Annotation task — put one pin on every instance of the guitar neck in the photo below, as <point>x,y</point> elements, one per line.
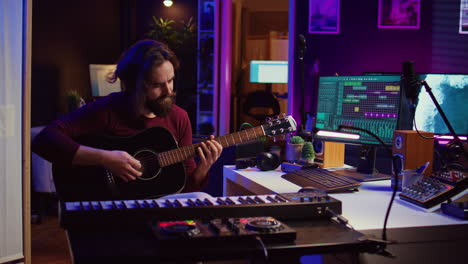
<point>180,154</point>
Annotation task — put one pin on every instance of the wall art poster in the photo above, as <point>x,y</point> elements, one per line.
<point>324,16</point>
<point>399,14</point>
<point>463,17</point>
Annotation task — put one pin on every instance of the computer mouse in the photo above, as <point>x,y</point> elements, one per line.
<point>309,189</point>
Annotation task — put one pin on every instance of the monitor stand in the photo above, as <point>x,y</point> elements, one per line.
<point>365,170</point>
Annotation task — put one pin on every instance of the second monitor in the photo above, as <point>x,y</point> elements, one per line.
<point>367,102</point>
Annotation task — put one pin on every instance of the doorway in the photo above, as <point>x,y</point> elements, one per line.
<point>260,32</point>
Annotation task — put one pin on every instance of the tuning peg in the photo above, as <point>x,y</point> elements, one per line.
<point>284,115</point>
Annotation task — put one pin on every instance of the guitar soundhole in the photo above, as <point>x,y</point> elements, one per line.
<point>149,164</point>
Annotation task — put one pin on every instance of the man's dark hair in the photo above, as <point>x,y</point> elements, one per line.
<point>135,66</point>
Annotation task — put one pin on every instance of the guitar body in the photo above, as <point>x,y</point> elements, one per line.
<point>161,159</point>
<point>95,183</point>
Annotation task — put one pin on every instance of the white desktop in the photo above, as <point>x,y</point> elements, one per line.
<point>365,209</point>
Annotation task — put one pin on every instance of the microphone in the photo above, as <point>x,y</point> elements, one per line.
<point>302,46</point>
<point>411,84</point>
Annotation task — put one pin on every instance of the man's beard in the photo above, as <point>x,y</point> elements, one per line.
<point>161,106</point>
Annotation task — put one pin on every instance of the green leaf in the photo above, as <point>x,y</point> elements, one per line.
<point>172,33</point>
<point>296,140</point>
<point>308,150</point>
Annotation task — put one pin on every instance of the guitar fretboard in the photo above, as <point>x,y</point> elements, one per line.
<point>177,155</point>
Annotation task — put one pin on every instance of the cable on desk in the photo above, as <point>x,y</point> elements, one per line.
<point>243,124</point>
<point>263,247</point>
<point>390,153</point>
<point>339,218</point>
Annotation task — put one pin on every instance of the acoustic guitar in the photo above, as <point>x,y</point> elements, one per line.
<point>163,172</point>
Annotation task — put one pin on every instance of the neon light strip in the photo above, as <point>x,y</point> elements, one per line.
<point>448,137</point>
<point>445,139</point>
<point>325,133</point>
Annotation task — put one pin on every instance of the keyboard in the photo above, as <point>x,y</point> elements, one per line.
<point>322,179</point>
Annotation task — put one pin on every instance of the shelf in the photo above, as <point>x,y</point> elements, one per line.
<point>205,61</point>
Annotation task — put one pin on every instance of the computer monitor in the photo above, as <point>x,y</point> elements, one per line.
<point>268,71</point>
<point>451,92</point>
<point>367,102</point>
<point>99,84</point>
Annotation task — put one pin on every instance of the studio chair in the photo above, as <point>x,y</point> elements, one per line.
<point>261,104</point>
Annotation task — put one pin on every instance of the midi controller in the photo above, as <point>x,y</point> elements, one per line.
<point>121,213</point>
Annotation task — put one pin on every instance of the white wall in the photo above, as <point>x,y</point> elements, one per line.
<point>11,44</point>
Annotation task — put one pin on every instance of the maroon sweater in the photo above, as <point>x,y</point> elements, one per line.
<point>108,115</point>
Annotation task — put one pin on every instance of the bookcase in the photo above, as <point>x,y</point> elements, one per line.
<point>205,62</point>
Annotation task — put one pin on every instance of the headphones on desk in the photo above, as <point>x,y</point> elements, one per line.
<point>264,161</point>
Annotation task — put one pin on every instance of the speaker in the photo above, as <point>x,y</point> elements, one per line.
<point>411,150</point>
<point>329,154</point>
<point>264,161</point>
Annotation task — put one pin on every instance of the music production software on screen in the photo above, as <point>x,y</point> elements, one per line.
<point>368,102</point>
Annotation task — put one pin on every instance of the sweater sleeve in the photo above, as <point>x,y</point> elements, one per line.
<point>56,142</point>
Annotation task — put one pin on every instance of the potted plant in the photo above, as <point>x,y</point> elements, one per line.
<point>74,100</point>
<point>308,153</point>
<point>167,31</point>
<point>294,149</point>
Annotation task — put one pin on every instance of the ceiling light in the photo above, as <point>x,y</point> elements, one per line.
<point>168,3</point>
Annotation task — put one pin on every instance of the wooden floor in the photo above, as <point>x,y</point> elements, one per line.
<point>48,242</point>
<point>49,245</point>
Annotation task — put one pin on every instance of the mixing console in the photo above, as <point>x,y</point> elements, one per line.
<point>218,230</point>
<point>429,192</point>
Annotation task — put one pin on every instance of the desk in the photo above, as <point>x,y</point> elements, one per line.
<point>140,246</point>
<point>135,243</point>
<point>421,237</point>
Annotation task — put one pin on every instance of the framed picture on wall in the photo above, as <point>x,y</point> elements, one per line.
<point>324,16</point>
<point>463,17</point>
<point>399,14</point>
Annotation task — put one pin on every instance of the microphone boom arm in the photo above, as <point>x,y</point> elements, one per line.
<point>456,139</point>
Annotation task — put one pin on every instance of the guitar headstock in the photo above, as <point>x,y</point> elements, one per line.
<point>280,126</point>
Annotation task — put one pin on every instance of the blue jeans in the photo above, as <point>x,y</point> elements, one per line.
<point>190,195</point>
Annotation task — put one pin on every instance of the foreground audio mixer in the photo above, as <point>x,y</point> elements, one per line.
<point>268,229</point>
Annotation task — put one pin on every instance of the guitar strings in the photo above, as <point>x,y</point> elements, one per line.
<point>192,148</point>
